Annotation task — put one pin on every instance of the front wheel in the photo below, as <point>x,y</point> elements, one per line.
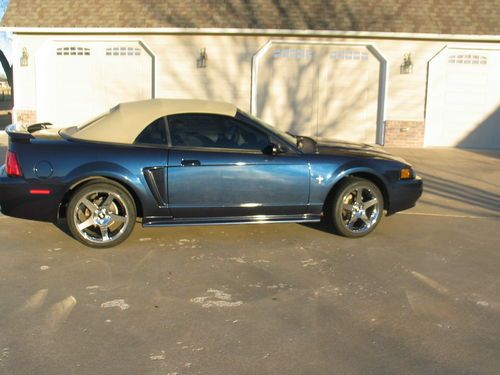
<point>357,207</point>
<point>101,215</point>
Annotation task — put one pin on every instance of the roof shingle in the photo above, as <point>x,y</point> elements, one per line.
<point>473,17</point>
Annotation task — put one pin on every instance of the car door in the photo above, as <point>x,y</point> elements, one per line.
<point>217,168</point>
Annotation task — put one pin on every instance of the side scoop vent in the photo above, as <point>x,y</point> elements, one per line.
<point>155,178</point>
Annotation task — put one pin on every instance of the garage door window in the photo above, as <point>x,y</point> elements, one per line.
<point>349,55</point>
<point>468,59</point>
<point>73,51</point>
<point>123,51</point>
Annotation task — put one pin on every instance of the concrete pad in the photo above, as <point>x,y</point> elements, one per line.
<point>418,296</point>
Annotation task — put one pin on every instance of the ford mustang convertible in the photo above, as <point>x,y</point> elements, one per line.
<point>194,162</point>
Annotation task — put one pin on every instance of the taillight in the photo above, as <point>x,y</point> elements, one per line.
<point>12,166</point>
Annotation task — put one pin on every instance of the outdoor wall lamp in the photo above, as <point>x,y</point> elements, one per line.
<point>24,57</point>
<point>407,66</point>
<point>201,62</point>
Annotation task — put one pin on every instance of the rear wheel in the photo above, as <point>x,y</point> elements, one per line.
<point>101,215</point>
<point>357,207</point>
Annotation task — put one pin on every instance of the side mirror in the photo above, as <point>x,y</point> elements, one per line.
<point>273,149</point>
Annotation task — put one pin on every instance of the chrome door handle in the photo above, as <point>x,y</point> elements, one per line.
<point>190,163</point>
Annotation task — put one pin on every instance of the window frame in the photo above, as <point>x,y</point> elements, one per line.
<point>160,145</point>
<point>240,120</point>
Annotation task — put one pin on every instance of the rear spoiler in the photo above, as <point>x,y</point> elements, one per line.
<point>18,133</point>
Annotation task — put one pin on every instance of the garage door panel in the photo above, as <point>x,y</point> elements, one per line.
<point>462,96</point>
<point>328,91</point>
<point>348,98</point>
<point>78,80</point>
<point>463,101</point>
<point>126,73</point>
<point>287,89</point>
<point>467,77</point>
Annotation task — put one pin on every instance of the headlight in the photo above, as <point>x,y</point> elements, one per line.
<point>406,174</point>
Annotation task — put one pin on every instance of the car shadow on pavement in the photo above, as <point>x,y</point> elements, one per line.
<point>488,153</point>
<point>322,226</point>
<point>450,194</point>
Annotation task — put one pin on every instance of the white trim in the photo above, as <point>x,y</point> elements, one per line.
<point>383,77</point>
<point>255,74</point>
<point>16,74</point>
<point>246,31</point>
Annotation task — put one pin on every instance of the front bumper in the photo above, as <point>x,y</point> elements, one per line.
<point>404,194</point>
<point>16,200</point>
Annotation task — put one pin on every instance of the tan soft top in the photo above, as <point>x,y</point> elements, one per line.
<point>127,120</point>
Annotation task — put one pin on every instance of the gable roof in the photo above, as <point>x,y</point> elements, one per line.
<point>467,17</point>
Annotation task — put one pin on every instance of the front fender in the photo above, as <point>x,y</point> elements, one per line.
<point>324,177</point>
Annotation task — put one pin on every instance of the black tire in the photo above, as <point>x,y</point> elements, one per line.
<point>101,214</point>
<point>351,217</point>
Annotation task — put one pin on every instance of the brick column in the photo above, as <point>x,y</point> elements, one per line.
<point>402,133</point>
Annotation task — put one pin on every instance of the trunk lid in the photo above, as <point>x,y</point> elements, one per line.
<point>19,133</point>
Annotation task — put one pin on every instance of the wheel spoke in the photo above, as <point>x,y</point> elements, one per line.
<point>104,232</point>
<point>91,206</point>
<point>118,218</point>
<point>354,218</point>
<point>370,203</point>
<point>365,219</point>
<point>359,195</point>
<point>108,201</point>
<point>87,223</point>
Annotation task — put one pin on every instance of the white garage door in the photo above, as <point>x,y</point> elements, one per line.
<point>79,80</point>
<point>320,90</point>
<point>463,102</point>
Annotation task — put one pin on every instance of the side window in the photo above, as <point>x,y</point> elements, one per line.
<point>214,131</point>
<point>155,133</point>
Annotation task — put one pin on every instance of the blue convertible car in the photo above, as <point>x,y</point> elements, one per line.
<point>193,162</point>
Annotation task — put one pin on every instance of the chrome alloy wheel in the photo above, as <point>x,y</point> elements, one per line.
<point>360,210</point>
<point>101,217</point>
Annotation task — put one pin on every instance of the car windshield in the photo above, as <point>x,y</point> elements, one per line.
<point>281,134</point>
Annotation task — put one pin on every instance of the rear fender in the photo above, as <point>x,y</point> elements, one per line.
<point>101,169</point>
<point>94,171</point>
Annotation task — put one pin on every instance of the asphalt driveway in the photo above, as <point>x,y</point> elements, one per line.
<point>421,295</point>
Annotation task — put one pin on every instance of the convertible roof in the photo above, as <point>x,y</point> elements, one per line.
<point>127,120</point>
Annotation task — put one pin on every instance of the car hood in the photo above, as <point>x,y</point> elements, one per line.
<point>339,147</point>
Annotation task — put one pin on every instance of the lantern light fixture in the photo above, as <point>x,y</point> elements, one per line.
<point>407,66</point>
<point>201,62</point>
<point>24,58</point>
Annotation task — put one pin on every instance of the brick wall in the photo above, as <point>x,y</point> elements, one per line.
<point>404,133</point>
<point>25,116</point>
